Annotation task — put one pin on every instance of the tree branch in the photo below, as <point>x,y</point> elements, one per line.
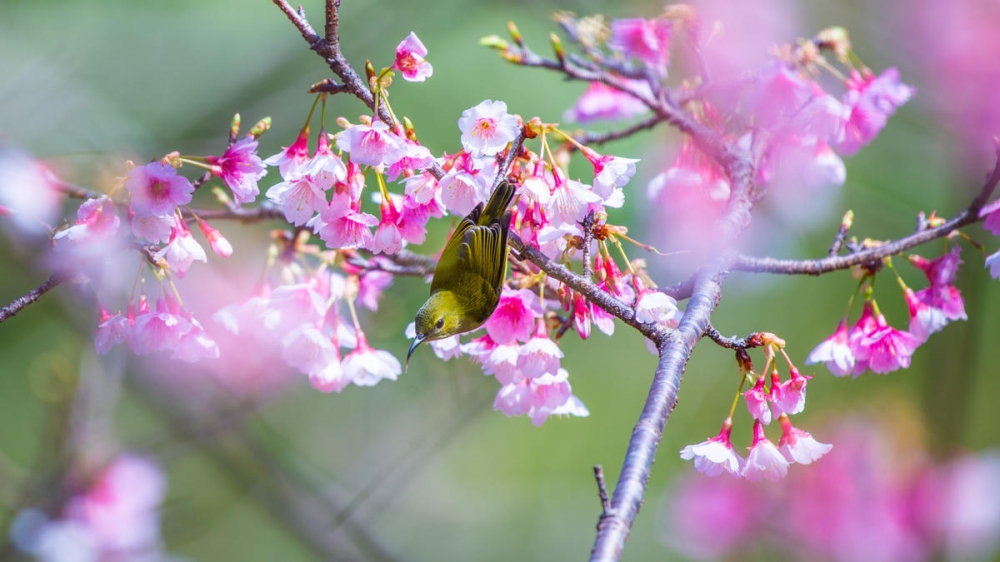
<point>33,295</point>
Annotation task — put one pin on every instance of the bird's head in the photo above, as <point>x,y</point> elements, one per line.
<point>439,317</point>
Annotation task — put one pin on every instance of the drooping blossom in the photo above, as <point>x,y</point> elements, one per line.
<point>601,101</point>
<point>790,396</point>
<point>924,320</point>
<point>410,61</point>
<point>326,168</point>
<point>540,355</point>
<point>372,145</point>
<point>416,157</point>
<point>656,306</point>
<point>835,352</point>
<point>366,366</point>
<point>388,237</point>
<point>308,349</point>
<point>569,201</point>
<point>153,228</point>
<point>646,40</point>
<point>467,184</point>
<point>764,462</point>
<point>882,348</point>
<point>942,294</point>
<point>758,401</point>
<point>514,317</point>
<point>95,220</point>
<point>240,168</point>
<point>610,174</point>
<point>293,157</point>
<point>111,331</point>
<point>799,446</point>
<point>300,198</point>
<point>872,101</point>
<point>331,377</point>
<point>714,456</point>
<point>182,250</point>
<point>487,128</point>
<point>156,189</point>
<point>538,397</point>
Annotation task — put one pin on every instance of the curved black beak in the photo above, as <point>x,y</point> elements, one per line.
<point>417,340</point>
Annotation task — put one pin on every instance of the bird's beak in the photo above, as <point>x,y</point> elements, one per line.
<point>417,340</point>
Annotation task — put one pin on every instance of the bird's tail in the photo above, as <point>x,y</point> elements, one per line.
<point>497,204</point>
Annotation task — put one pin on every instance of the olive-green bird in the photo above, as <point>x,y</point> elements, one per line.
<point>467,280</point>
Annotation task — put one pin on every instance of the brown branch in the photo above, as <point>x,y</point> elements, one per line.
<point>329,49</point>
<point>596,137</point>
<point>31,296</point>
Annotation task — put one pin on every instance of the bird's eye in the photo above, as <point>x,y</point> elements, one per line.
<point>440,323</point>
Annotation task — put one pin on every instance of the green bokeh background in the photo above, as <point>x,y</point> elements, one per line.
<point>447,478</point>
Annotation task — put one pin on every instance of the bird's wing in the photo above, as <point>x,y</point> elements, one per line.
<point>477,250</point>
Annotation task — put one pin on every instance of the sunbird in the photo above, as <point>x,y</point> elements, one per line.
<point>465,289</point>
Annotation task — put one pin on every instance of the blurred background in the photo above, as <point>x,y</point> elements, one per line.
<point>423,468</point>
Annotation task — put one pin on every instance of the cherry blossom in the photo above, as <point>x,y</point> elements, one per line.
<point>487,128</point>
<point>95,220</point>
<point>292,158</point>
<point>514,317</point>
<point>764,462</point>
<point>366,366</point>
<point>111,331</point>
<point>372,145</point>
<point>240,168</point>
<point>835,352</point>
<point>799,446</point>
<point>790,396</point>
<point>757,399</point>
<point>885,348</point>
<point>601,101</point>
<point>646,40</point>
<point>216,240</point>
<point>872,101</point>
<point>153,228</point>
<point>156,189</point>
<point>410,61</point>
<point>182,250</point>
<point>540,355</point>
<point>714,456</point>
<point>300,198</point>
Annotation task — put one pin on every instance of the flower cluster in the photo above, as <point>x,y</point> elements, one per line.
<point>871,343</point>
<point>115,518</point>
<point>764,401</point>
<point>877,496</point>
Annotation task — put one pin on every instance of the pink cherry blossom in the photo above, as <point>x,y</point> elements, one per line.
<point>195,344</point>
<point>610,174</point>
<point>366,366</point>
<point>182,250</point>
<point>551,394</point>
<point>993,263</point>
<point>371,284</point>
<point>422,188</point>
<point>570,202</point>
<point>941,294</point>
<point>417,157</point>
<point>299,198</point>
<point>372,145</point>
<point>646,40</point>
<point>790,396</point>
<point>388,238</point>
<point>502,363</point>
<point>157,331</point>
<point>714,456</point>
<point>111,331</point>
<point>292,158</point>
<point>153,228</point>
<point>764,460</point>
<point>835,352</point>
<point>514,317</point>
<point>757,399</point>
<point>308,349</point>
<point>864,327</point>
<point>216,240</point>
<point>487,128</point>
<point>28,190</point>
<point>156,189</point>
<point>992,213</point>
<point>462,188</point>
<point>581,316</point>
<point>924,320</point>
<point>95,220</point>
<point>331,377</point>
<point>348,230</point>
<point>240,168</point>
<point>326,168</point>
<point>872,101</point>
<point>799,446</point>
<point>655,306</point>
<point>601,101</point>
<point>887,348</point>
<point>410,61</point>
<point>540,355</point>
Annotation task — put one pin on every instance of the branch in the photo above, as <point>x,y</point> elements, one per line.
<point>595,137</point>
<point>33,295</point>
<point>329,49</point>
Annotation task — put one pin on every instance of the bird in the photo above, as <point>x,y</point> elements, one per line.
<point>465,289</point>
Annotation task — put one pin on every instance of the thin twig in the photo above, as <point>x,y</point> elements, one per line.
<point>31,296</point>
<point>601,137</point>
<point>602,489</point>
